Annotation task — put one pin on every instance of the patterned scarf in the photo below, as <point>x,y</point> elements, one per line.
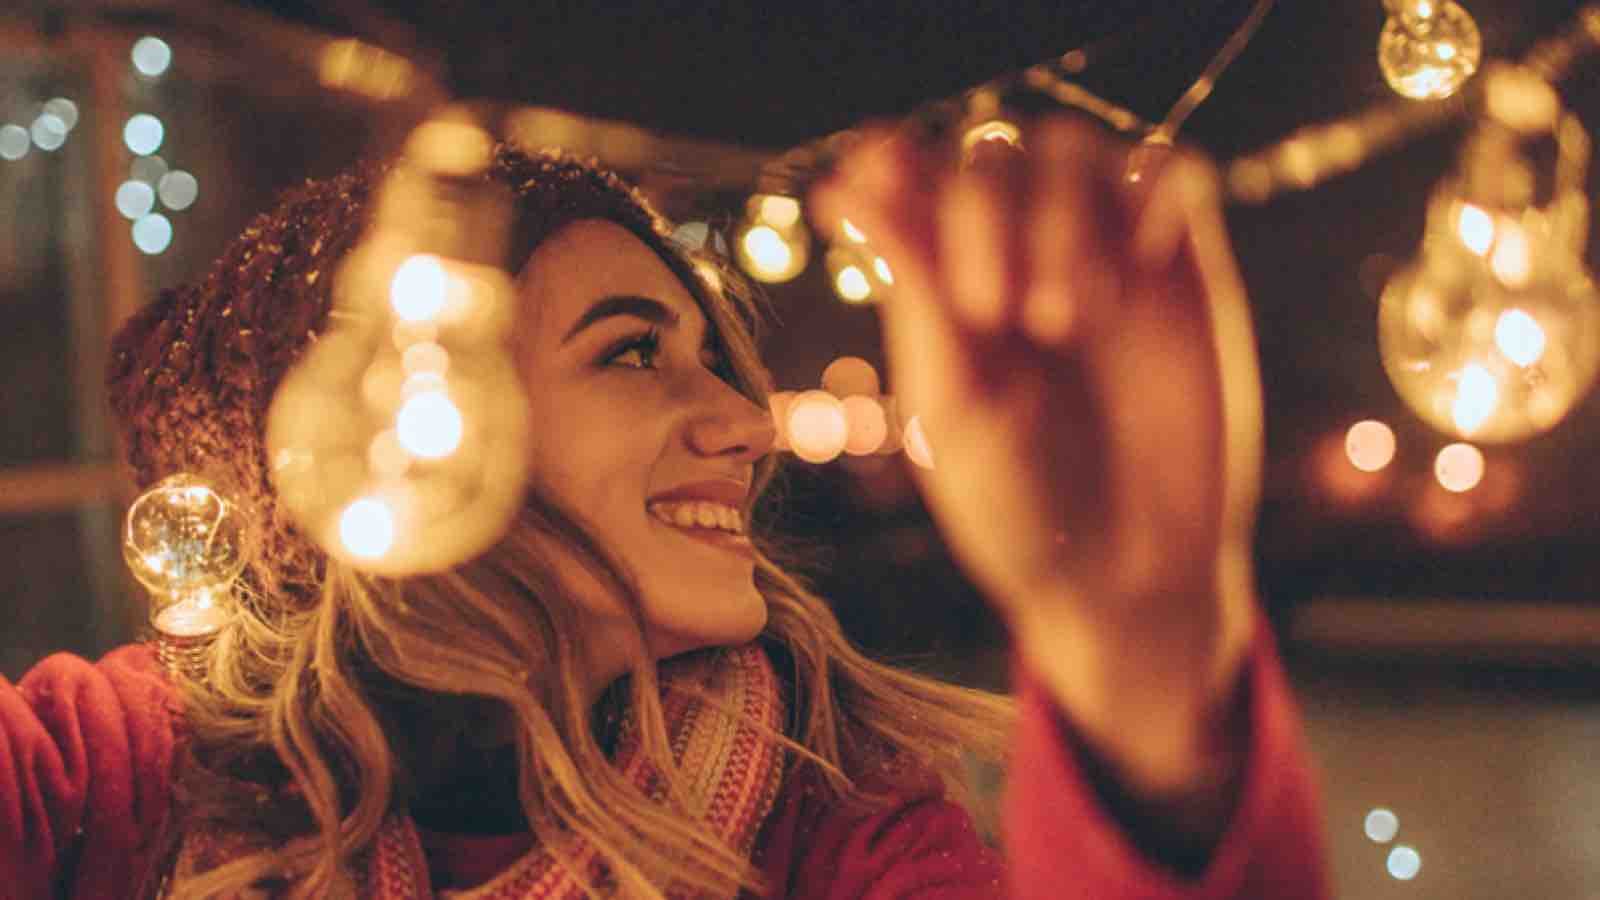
<point>736,773</point>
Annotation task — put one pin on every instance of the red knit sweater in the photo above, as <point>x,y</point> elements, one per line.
<point>86,753</point>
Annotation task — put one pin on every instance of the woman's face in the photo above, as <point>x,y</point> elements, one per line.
<point>629,404</point>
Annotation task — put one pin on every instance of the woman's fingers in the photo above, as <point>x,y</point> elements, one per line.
<point>981,245</point>
<point>1068,231</point>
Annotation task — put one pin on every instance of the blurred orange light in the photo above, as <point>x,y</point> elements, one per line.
<point>1459,467</point>
<point>1369,445</point>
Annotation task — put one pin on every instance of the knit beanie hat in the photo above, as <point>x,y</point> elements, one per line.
<point>192,375</point>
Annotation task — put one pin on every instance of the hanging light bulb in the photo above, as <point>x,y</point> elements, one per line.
<point>1493,334</point>
<point>185,543</point>
<point>398,442</point>
<point>1428,48</point>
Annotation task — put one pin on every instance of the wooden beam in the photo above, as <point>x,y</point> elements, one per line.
<point>59,487</point>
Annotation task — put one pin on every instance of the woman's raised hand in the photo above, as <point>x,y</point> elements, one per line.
<point>1077,345</point>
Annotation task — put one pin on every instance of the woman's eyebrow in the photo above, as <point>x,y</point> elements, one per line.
<point>653,311</point>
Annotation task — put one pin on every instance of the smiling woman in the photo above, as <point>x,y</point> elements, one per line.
<point>629,694</point>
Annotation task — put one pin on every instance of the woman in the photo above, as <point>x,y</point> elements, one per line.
<point>613,697</point>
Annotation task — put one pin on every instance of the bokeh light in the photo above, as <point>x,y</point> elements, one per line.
<point>14,142</point>
<point>151,56</point>
<point>419,289</point>
<point>1475,228</point>
<point>425,356</point>
<point>1433,54</point>
<point>868,426</point>
<point>849,375</point>
<point>880,267</point>
<point>178,190</point>
<point>1381,825</point>
<point>780,212</point>
<point>768,255</point>
<point>1369,445</point>
<point>917,447</point>
<point>366,527</point>
<point>143,134</point>
<point>63,109</point>
<point>135,199</point>
<point>852,285</point>
<point>429,425</point>
<point>148,169</point>
<point>818,428</point>
<point>852,232</point>
<point>778,404</point>
<point>1404,863</point>
<point>152,234</point>
<point>48,131</point>
<point>1458,467</point>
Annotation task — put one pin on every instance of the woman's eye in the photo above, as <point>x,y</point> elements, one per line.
<point>636,353</point>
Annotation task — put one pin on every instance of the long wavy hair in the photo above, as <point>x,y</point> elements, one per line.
<point>328,701</point>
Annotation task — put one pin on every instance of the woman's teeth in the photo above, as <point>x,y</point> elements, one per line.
<point>699,514</point>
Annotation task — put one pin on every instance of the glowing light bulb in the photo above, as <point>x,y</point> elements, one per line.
<point>1458,468</point>
<point>818,427</point>
<point>880,267</point>
<point>998,130</point>
<point>367,528</point>
<point>1519,337</point>
<point>419,289</point>
<point>1495,338</point>
<point>1369,445</point>
<point>181,537</point>
<point>1428,48</point>
<point>851,270</point>
<point>770,255</point>
<point>429,425</point>
<point>852,232</point>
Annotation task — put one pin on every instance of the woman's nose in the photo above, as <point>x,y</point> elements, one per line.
<point>736,427</point>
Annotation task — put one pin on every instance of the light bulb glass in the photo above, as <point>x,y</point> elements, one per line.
<point>182,537</point>
<point>1496,345</point>
<point>1429,50</point>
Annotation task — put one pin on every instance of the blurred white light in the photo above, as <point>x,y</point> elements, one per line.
<point>852,284</point>
<point>178,190</point>
<point>419,289</point>
<point>767,250</point>
<point>1519,337</point>
<point>367,528</point>
<point>1381,825</point>
<point>14,142</point>
<point>1477,395</point>
<point>881,267</point>
<point>817,426</point>
<point>692,234</point>
<point>916,443</point>
<point>151,56</point>
<point>143,134</point>
<point>48,131</point>
<point>779,212</point>
<point>429,425</point>
<point>1404,863</point>
<point>852,232</point>
<point>152,234</point>
<point>1458,467</point>
<point>1476,229</point>
<point>63,109</point>
<point>135,199</point>
<point>1369,445</point>
<point>148,169</point>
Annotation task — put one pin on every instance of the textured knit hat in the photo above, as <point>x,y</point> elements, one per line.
<point>191,375</point>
